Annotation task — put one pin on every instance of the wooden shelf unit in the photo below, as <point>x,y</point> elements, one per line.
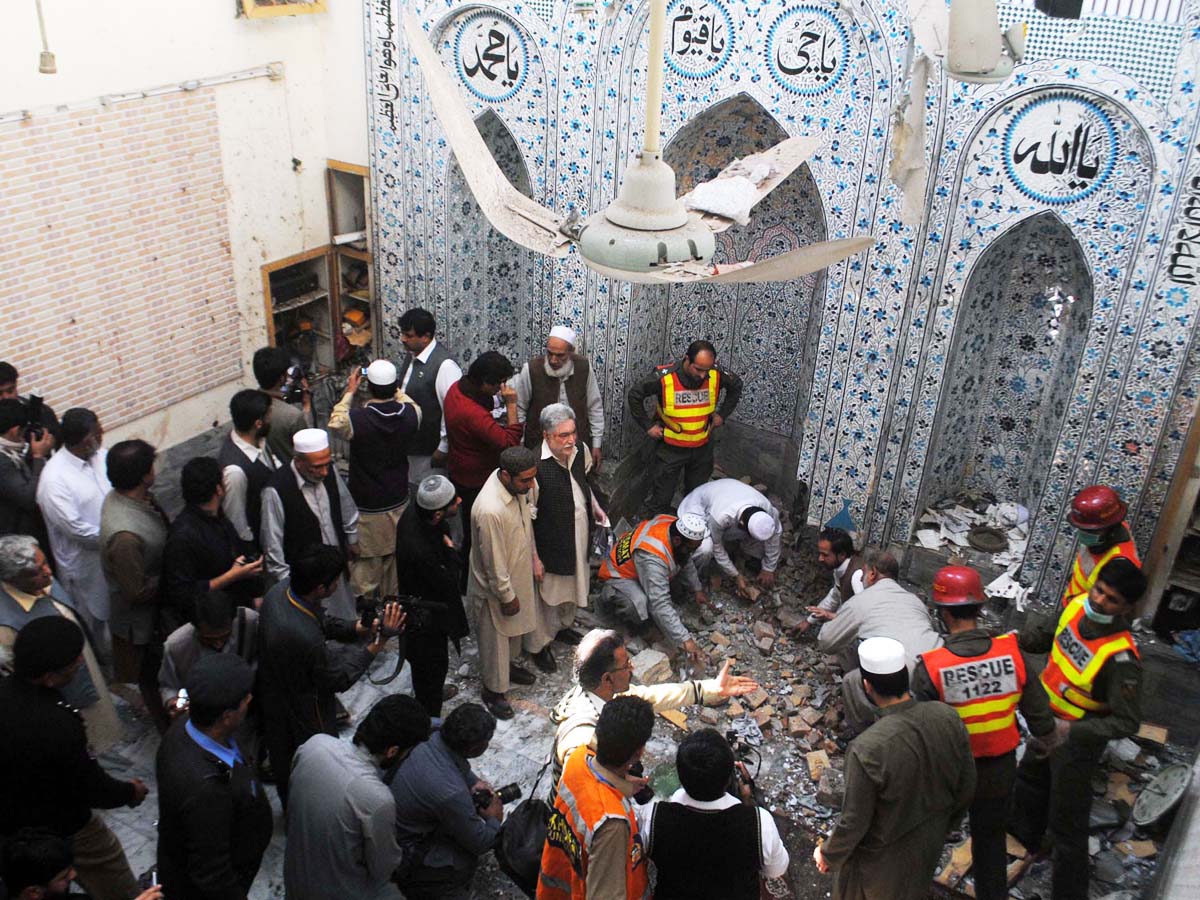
<point>348,196</point>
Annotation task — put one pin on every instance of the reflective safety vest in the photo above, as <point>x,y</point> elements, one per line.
<point>1087,566</point>
<point>1075,661</point>
<point>653,535</point>
<point>984,690</point>
<point>585,802</point>
<point>691,409</point>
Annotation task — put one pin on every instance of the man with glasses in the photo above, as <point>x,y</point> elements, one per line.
<point>604,670</point>
<point>561,376</point>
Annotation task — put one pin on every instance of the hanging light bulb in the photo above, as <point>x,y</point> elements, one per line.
<point>46,63</point>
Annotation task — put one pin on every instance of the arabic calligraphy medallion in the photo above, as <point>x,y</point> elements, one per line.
<point>491,55</point>
<point>699,38</point>
<point>1060,148</point>
<point>807,50</point>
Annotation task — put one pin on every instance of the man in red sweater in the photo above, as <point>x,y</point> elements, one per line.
<point>475,435</point>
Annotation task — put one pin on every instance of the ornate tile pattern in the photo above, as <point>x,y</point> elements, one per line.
<point>862,366</point>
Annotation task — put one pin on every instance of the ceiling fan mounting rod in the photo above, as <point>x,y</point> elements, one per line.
<point>654,77</point>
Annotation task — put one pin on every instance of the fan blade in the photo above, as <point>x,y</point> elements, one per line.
<point>784,267</point>
<point>783,159</point>
<point>510,212</point>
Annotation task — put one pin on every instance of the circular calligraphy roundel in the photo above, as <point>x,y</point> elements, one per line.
<point>699,37</point>
<point>491,55</point>
<point>807,50</point>
<point>1060,148</point>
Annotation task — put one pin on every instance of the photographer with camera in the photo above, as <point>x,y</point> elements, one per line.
<point>38,415</point>
<point>23,455</point>
<point>446,817</point>
<point>705,841</point>
<point>275,374</point>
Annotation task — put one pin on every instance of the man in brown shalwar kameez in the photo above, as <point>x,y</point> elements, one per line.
<point>909,777</point>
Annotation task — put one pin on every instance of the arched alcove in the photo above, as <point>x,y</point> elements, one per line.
<point>762,331</point>
<point>491,282</point>
<point>1021,329</point>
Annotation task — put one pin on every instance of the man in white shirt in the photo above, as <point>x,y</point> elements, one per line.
<point>70,493</point>
<point>561,375</point>
<point>425,377</point>
<point>246,462</point>
<point>736,514</point>
<point>307,503</point>
<point>704,841</point>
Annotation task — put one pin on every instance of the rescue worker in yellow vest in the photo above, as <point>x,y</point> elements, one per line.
<point>593,849</point>
<point>687,409</point>
<point>985,679</point>
<point>1093,682</point>
<point>1098,514</point>
<point>636,577</point>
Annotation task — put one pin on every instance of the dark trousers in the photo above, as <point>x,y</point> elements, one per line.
<point>468,495</point>
<point>1055,795</point>
<point>440,883</point>
<point>139,663</point>
<point>428,652</point>
<point>696,463</point>
<point>993,793</point>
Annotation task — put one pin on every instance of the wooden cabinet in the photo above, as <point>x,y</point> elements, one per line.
<point>301,312</point>
<point>348,192</point>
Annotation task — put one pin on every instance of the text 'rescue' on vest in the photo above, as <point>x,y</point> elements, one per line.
<point>653,535</point>
<point>689,409</point>
<point>1086,567</point>
<point>1070,674</point>
<point>585,802</point>
<point>984,690</point>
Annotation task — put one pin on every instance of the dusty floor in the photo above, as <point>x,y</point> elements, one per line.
<point>794,677</point>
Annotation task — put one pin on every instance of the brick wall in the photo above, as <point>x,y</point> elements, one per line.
<point>116,281</point>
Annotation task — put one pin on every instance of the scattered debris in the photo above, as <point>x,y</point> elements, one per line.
<point>675,717</point>
<point>652,667</point>
<point>818,762</point>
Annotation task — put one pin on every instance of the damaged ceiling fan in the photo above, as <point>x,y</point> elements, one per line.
<point>646,235</point>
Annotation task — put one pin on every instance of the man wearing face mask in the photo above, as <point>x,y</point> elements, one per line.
<point>1098,514</point>
<point>307,503</point>
<point>72,488</point>
<point>1093,681</point>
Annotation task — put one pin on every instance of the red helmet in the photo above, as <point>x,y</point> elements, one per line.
<point>957,586</point>
<point>1096,508</point>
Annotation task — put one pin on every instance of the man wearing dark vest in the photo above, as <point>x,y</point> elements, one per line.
<point>566,513</point>
<point>307,503</point>
<point>561,376</point>
<point>1093,682</point>
<point>985,679</point>
<point>703,841</point>
<point>247,464</point>
<point>133,536</point>
<point>425,376</point>
<point>687,409</point>
<point>380,433</point>
<point>835,552</point>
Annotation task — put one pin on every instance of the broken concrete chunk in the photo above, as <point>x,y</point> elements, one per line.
<point>831,788</point>
<point>790,619</point>
<point>762,629</point>
<point>831,717</point>
<point>818,762</point>
<point>765,645</point>
<point>757,698</point>
<point>719,639</point>
<point>651,667</point>
<point>762,716</point>
<point>810,715</point>
<point>802,692</point>
<point>1154,733</point>
<point>676,718</point>
<point>797,727</point>
<point>735,709</point>
<point>709,716</point>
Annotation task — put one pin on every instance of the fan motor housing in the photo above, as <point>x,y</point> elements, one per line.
<point>624,249</point>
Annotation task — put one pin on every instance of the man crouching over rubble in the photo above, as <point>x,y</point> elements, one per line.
<point>603,670</point>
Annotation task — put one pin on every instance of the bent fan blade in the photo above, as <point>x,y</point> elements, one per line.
<point>510,212</point>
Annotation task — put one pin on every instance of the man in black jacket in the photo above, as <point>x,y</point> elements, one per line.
<point>306,657</point>
<point>47,778</point>
<point>214,819</point>
<point>427,566</point>
<point>204,552</point>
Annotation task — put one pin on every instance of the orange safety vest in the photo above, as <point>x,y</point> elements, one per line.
<point>653,535</point>
<point>585,802</point>
<point>1087,567</point>
<point>984,690</point>
<point>689,409</point>
<point>1075,661</point>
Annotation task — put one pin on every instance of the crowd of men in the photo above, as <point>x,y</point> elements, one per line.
<point>470,505</point>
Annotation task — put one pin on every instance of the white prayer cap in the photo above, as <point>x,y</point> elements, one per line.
<point>310,440</point>
<point>435,492</point>
<point>563,333</point>
<point>692,526</point>
<point>761,525</point>
<point>881,656</point>
<point>381,372</point>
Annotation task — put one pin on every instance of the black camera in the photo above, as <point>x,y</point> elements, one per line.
<point>369,609</point>
<point>34,429</point>
<point>507,794</point>
<point>293,388</point>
